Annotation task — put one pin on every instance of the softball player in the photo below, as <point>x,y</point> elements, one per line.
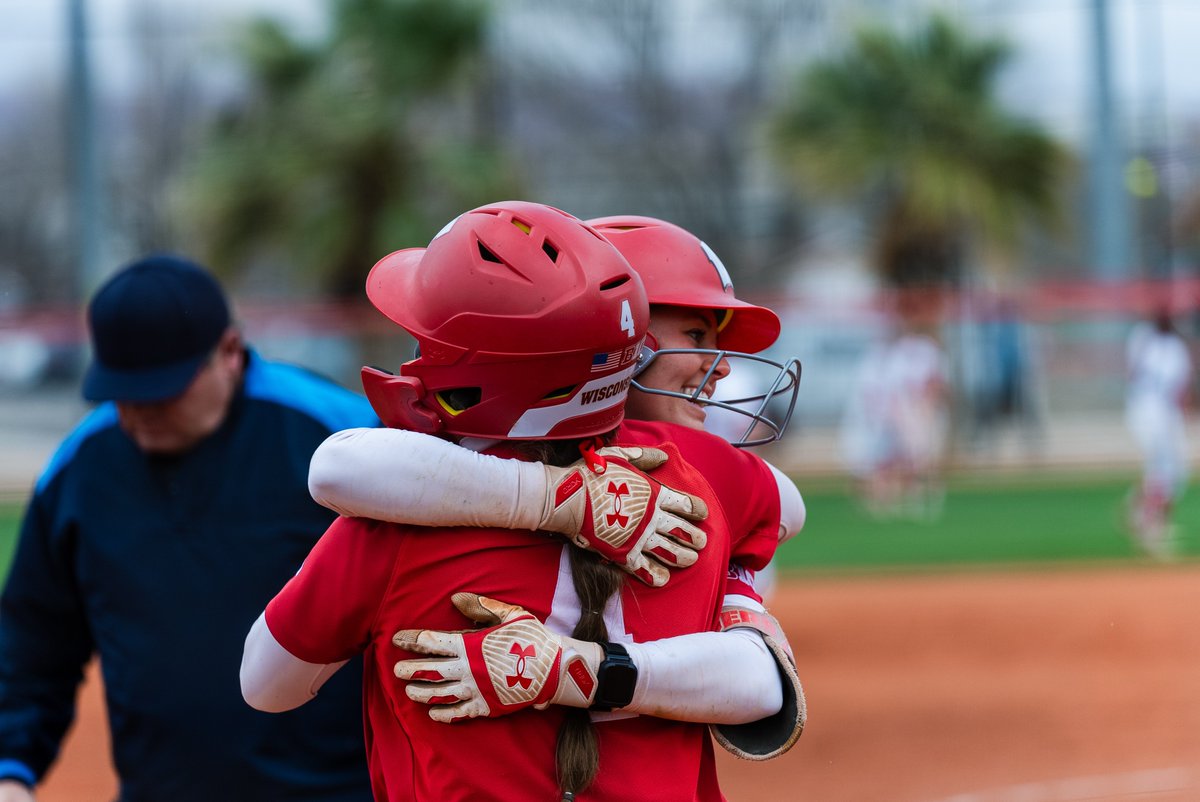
<point>367,579</point>
<point>407,477</point>
<point>894,426</point>
<point>1160,373</point>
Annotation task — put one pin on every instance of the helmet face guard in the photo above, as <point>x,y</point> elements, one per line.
<point>769,405</point>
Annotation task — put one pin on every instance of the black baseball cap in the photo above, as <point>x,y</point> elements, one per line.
<point>153,326</point>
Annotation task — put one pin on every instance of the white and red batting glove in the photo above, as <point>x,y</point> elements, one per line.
<point>609,506</point>
<point>512,664</point>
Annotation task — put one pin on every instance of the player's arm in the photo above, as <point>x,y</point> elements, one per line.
<point>706,677</point>
<point>15,791</point>
<point>409,477</point>
<point>44,645</point>
<point>771,735</point>
<point>321,618</point>
<point>734,680</point>
<point>792,512</point>
<point>273,679</point>
<point>764,508</point>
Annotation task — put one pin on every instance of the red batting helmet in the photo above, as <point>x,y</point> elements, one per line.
<point>678,269</point>
<point>528,325</point>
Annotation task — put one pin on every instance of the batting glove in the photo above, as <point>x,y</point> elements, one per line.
<point>512,664</point>
<point>609,506</point>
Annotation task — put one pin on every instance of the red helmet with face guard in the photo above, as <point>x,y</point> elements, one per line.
<point>678,269</point>
<point>528,325</point>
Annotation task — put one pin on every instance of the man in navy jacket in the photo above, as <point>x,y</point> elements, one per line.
<point>160,529</point>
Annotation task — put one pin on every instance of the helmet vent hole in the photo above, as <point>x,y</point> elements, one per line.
<point>460,398</point>
<point>487,255</point>
<point>550,251</point>
<point>522,225</point>
<point>613,283</point>
<point>561,392</point>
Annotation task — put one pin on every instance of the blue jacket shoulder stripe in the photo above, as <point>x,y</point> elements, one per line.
<point>333,406</point>
<point>101,418</point>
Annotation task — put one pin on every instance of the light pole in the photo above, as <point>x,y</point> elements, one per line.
<point>84,178</point>
<point>1108,225</point>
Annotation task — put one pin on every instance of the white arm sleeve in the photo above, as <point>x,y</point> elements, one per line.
<point>792,512</point>
<point>413,478</point>
<point>273,679</point>
<point>707,677</point>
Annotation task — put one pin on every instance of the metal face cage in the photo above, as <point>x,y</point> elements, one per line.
<point>767,409</point>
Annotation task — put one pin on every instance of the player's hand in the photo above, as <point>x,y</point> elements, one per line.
<point>625,516</point>
<point>512,664</point>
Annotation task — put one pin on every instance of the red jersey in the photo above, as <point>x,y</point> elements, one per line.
<point>366,579</point>
<point>740,479</point>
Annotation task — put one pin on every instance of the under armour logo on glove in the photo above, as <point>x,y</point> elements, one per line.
<point>512,664</point>
<point>615,491</point>
<point>535,662</point>
<point>607,504</point>
<point>519,678</point>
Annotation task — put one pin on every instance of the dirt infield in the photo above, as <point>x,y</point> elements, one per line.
<point>980,687</point>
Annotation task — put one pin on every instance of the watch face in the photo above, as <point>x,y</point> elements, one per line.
<point>620,683</point>
<point>617,678</point>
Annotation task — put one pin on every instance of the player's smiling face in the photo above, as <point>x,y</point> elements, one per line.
<point>678,327</point>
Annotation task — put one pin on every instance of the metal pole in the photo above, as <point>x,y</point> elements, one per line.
<point>1109,220</point>
<point>84,178</point>
<point>1156,140</point>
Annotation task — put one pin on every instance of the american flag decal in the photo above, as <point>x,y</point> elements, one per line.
<point>614,359</point>
<point>605,361</point>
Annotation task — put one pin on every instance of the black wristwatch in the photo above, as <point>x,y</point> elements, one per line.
<point>616,679</point>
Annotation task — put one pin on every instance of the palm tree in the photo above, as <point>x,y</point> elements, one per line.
<point>911,125</point>
<point>351,147</point>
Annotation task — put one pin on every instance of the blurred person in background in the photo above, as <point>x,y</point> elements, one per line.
<point>1160,374</point>
<point>1002,372</point>
<point>161,526</point>
<point>893,430</point>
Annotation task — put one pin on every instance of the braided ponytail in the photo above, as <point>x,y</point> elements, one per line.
<point>577,755</point>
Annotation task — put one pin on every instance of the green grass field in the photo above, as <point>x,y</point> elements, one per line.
<point>1002,520</point>
<point>10,520</point>
<point>1005,520</point>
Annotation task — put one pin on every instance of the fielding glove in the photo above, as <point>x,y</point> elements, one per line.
<point>512,664</point>
<point>606,504</point>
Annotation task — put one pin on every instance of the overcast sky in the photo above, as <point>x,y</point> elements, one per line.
<point>1155,45</point>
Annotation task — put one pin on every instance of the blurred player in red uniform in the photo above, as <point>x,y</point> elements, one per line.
<point>367,579</point>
